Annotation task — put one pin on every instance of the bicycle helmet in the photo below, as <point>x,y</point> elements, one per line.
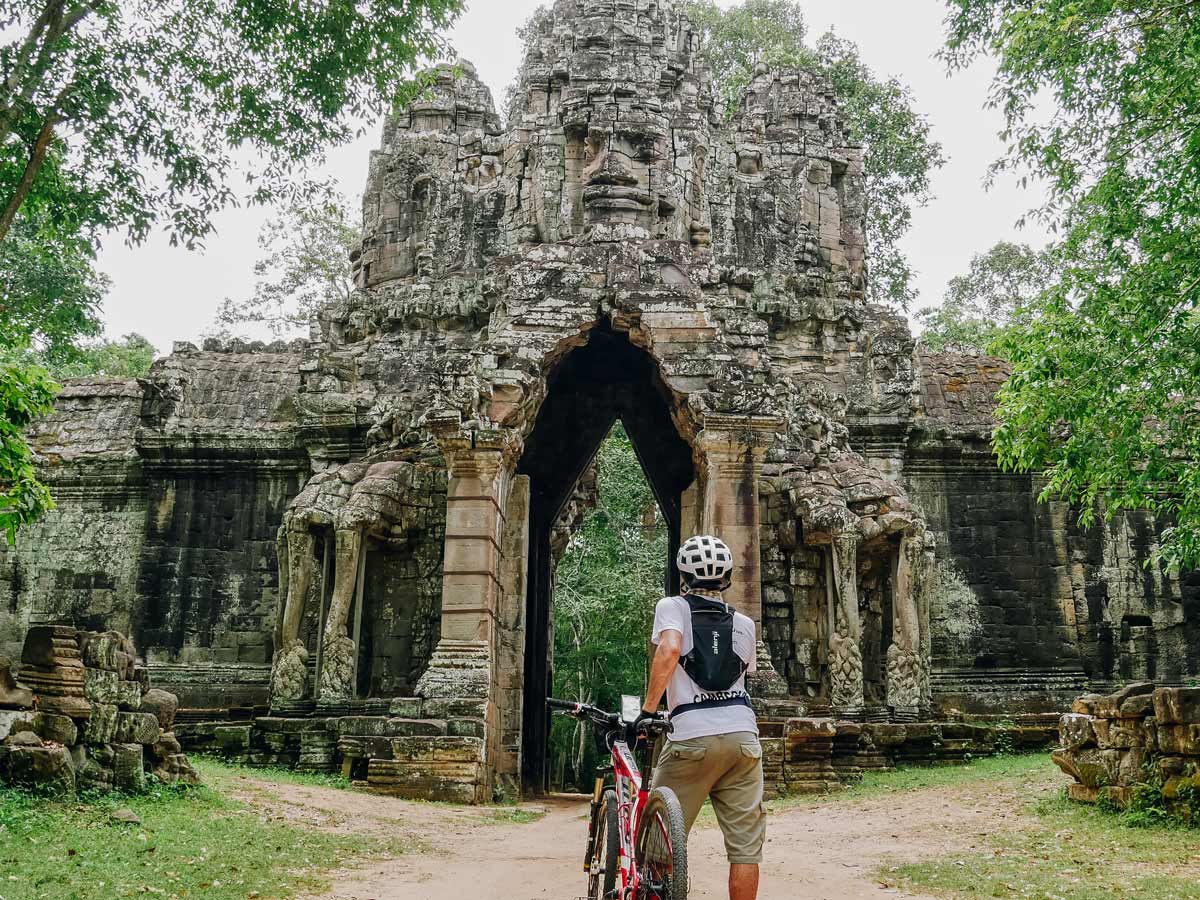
<point>704,558</point>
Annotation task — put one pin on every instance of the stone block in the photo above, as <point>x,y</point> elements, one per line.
<point>11,695</point>
<point>232,738</point>
<point>163,704</point>
<point>56,728</point>
<point>100,686</point>
<point>414,727</point>
<point>52,681</point>
<point>14,721</point>
<point>1086,705</point>
<point>109,650</point>
<point>75,707</point>
<point>47,768</point>
<point>362,726</point>
<point>1138,707</point>
<point>466,728</point>
<point>101,727</point>
<point>452,708</point>
<point>1181,740</point>
<point>129,695</point>
<point>1075,731</point>
<point>1110,707</point>
<point>1177,706</point>
<point>137,728</point>
<point>175,769</point>
<point>51,646</point>
<point>129,773</point>
<point>1118,734</point>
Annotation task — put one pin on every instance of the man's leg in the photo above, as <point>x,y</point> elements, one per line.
<point>743,881</point>
<point>737,801</point>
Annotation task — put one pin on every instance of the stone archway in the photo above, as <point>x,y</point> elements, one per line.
<point>606,379</point>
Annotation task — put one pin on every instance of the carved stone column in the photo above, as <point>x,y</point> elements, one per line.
<point>845,637</point>
<point>733,448</point>
<point>339,649</point>
<point>289,668</point>
<point>463,665</point>
<point>904,655</point>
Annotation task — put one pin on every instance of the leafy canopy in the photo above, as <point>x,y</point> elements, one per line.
<point>996,293</point>
<point>162,103</point>
<point>605,589</point>
<point>1105,392</point>
<point>900,154</point>
<point>305,264</point>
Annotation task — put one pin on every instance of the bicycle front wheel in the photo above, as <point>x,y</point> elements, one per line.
<point>662,847</point>
<point>602,867</point>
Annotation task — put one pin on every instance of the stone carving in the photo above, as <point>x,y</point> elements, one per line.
<point>102,738</point>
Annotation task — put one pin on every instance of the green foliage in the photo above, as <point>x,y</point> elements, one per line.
<point>50,292</point>
<point>996,293</point>
<point>900,155</point>
<point>1106,371</point>
<point>26,392</point>
<point>605,589</point>
<point>305,264</point>
<point>154,111</point>
<point>191,842</point>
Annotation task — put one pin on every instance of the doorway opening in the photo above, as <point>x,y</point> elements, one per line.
<point>606,380</point>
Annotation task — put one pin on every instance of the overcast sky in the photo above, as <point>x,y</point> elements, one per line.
<point>170,294</point>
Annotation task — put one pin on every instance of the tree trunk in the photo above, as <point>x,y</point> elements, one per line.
<point>37,157</point>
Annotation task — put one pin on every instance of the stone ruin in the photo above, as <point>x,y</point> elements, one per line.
<point>80,715</point>
<point>357,533</point>
<point>1142,737</point>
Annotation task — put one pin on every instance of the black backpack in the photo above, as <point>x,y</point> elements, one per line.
<point>712,662</point>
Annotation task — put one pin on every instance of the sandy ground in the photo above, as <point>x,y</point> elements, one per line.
<point>829,850</point>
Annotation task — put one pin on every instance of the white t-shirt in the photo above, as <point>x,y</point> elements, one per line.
<point>674,614</point>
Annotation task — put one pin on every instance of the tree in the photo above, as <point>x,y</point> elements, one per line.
<point>26,392</point>
<point>157,105</point>
<point>900,154</point>
<point>50,292</point>
<point>305,264</point>
<point>605,589</point>
<point>996,293</point>
<point>1105,392</point>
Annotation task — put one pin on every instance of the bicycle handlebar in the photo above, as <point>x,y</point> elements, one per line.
<point>611,720</point>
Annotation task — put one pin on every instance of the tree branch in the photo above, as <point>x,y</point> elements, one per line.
<point>37,157</point>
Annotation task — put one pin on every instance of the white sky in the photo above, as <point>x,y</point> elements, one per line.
<point>170,294</point>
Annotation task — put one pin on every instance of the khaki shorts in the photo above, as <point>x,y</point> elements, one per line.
<point>728,769</point>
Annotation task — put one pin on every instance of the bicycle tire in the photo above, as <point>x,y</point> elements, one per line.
<point>662,847</point>
<point>603,881</point>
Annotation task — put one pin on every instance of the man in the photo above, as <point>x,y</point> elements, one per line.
<point>713,751</point>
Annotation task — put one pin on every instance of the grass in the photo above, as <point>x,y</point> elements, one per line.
<point>214,770</point>
<point>191,842</point>
<point>515,815</point>
<point>1065,851</point>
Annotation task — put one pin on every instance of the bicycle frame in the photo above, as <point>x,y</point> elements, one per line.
<point>631,787</point>
<point>632,792</point>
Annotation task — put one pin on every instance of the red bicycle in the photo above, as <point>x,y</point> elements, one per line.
<point>634,832</point>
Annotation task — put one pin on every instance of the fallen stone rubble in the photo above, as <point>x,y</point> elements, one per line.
<point>1142,737</point>
<point>78,714</point>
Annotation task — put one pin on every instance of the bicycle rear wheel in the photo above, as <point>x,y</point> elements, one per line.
<point>662,847</point>
<point>602,867</point>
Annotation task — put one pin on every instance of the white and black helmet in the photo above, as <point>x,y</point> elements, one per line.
<point>705,558</point>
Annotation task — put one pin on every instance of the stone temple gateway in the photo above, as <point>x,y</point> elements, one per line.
<point>360,530</point>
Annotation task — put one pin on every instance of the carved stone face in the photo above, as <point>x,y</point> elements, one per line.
<point>622,168</point>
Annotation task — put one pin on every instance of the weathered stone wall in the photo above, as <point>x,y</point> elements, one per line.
<point>169,492</point>
<point>1031,607</point>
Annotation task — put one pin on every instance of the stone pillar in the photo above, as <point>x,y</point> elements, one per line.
<point>904,655</point>
<point>289,669</point>
<point>732,448</point>
<point>464,663</point>
<point>514,575</point>
<point>338,648</point>
<point>845,638</point>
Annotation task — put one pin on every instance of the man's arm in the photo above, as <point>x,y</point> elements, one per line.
<point>666,658</point>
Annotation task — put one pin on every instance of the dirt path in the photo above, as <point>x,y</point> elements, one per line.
<point>823,851</point>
